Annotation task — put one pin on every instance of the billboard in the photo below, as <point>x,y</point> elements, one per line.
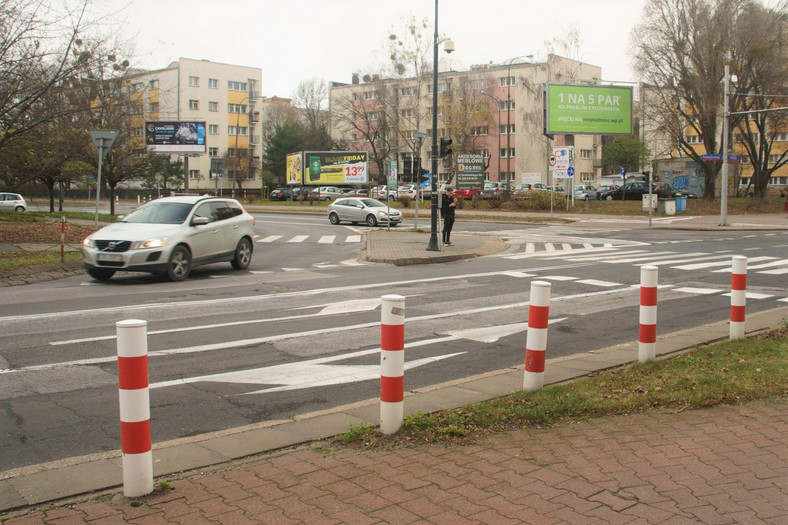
<point>589,110</point>
<point>327,167</point>
<point>470,171</point>
<point>175,137</point>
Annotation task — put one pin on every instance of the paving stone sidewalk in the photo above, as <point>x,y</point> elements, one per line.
<point>727,464</point>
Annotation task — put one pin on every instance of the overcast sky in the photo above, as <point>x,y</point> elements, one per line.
<point>296,40</point>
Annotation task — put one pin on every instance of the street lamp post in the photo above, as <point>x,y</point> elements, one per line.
<point>433,243</point>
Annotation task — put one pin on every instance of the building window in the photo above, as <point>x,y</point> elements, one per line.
<point>408,91</point>
<point>505,105</point>
<point>213,152</point>
<point>136,87</point>
<point>506,81</point>
<point>153,107</point>
<point>480,130</point>
<point>137,132</point>
<point>502,129</point>
<point>371,95</point>
<point>585,153</point>
<point>237,130</point>
<point>194,174</point>
<point>236,108</point>
<point>587,177</point>
<point>694,139</point>
<point>194,104</point>
<point>372,116</point>
<point>213,106</point>
<point>406,113</point>
<point>213,129</point>
<point>485,153</point>
<point>441,88</point>
<point>194,81</point>
<point>236,86</point>
<point>507,152</point>
<point>213,83</point>
<point>154,84</point>
<point>136,109</point>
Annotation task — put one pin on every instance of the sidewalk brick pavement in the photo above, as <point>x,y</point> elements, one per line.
<point>726,464</point>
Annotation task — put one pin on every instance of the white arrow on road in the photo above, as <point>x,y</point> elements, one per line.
<point>320,372</point>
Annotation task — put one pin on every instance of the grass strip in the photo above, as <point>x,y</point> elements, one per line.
<point>729,372</point>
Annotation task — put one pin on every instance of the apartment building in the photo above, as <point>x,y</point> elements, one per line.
<point>226,97</point>
<point>492,109</point>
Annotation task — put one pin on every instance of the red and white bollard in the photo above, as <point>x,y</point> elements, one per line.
<point>647,346</point>
<point>392,363</point>
<point>536,340</point>
<point>62,239</point>
<point>738,296</point>
<point>135,442</point>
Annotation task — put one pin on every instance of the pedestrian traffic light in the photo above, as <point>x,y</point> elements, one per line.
<point>445,149</point>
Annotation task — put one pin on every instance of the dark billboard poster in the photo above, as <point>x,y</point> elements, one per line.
<point>175,137</point>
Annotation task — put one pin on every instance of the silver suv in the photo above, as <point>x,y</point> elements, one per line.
<point>170,236</point>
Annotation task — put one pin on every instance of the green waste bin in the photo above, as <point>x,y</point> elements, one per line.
<point>681,203</point>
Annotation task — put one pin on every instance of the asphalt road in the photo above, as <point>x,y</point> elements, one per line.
<point>300,331</point>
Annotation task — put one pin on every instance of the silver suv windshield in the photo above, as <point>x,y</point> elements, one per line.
<point>160,213</point>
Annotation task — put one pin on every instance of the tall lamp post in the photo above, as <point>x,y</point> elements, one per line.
<point>433,243</point>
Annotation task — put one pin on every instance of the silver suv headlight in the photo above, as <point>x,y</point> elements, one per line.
<point>156,242</point>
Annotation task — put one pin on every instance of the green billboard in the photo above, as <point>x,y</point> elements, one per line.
<point>602,110</point>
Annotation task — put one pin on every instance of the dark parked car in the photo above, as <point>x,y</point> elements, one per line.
<point>279,194</point>
<point>631,191</point>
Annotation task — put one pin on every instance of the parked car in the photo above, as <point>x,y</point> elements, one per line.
<point>424,192</point>
<point>584,192</point>
<point>12,202</point>
<point>523,186</point>
<point>631,191</point>
<point>385,193</point>
<point>325,193</point>
<point>366,210</point>
<point>665,190</point>
<point>170,236</point>
<point>375,192</point>
<point>493,190</point>
<point>280,194</point>
<point>540,187</point>
<point>362,191</point>
<point>604,189</point>
<point>468,193</point>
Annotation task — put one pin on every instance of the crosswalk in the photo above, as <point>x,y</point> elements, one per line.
<point>322,239</point>
<point>715,262</point>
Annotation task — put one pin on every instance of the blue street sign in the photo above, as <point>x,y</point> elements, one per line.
<point>570,171</point>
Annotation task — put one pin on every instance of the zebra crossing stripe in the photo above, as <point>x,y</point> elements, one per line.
<point>299,238</point>
<point>353,238</point>
<point>781,262</point>
<point>327,239</point>
<point>726,262</point>
<point>270,238</point>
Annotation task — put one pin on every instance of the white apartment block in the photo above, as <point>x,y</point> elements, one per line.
<point>226,97</point>
<point>493,109</point>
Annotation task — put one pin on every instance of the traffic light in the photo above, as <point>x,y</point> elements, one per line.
<point>407,168</point>
<point>445,149</point>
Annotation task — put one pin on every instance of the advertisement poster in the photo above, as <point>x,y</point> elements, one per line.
<point>175,137</point>
<point>588,109</point>
<point>470,171</point>
<point>294,166</point>
<point>335,167</point>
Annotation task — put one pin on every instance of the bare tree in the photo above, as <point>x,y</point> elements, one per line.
<point>311,99</point>
<point>759,56</point>
<point>37,44</point>
<point>681,49</point>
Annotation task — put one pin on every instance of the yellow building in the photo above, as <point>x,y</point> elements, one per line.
<point>226,97</point>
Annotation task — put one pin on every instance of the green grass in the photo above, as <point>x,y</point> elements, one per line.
<point>729,372</point>
<point>10,261</point>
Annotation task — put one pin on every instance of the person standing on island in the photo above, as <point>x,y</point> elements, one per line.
<point>448,205</point>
